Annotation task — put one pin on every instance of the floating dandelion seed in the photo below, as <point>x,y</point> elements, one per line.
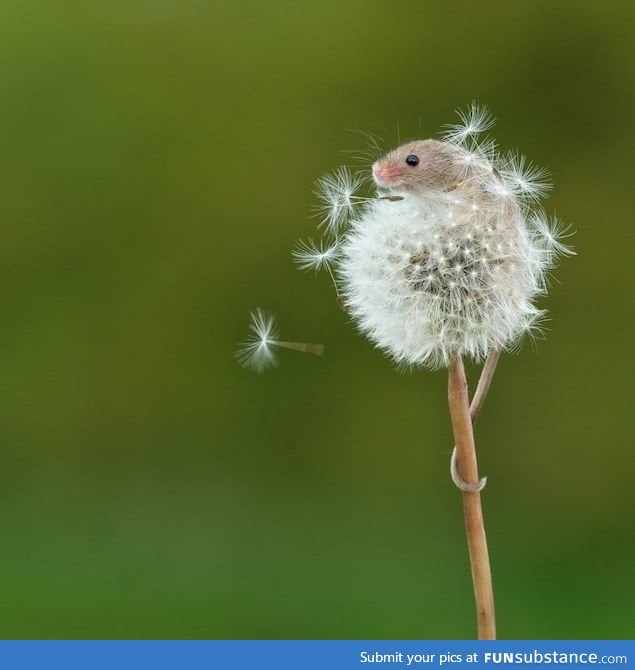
<point>258,353</point>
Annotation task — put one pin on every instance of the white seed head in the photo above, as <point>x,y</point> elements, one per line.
<point>454,265</point>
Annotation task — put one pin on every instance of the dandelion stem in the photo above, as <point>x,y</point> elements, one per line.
<point>468,470</point>
<point>308,347</point>
<point>484,382</point>
<point>337,291</point>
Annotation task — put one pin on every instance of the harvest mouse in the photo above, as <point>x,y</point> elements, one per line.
<point>422,166</point>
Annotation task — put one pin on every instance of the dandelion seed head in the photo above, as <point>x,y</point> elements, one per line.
<point>454,266</point>
<point>460,298</point>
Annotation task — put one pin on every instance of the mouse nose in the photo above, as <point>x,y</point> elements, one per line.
<point>385,174</point>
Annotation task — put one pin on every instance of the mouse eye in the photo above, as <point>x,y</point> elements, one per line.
<point>412,160</point>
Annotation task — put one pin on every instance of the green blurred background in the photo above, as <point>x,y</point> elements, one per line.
<point>157,161</point>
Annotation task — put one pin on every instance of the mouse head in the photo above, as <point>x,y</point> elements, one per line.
<point>419,165</point>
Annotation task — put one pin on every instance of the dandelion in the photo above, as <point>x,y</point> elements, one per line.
<point>446,262</point>
<point>454,268</point>
<point>258,352</point>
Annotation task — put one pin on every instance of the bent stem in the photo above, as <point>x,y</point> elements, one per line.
<point>484,382</point>
<point>458,401</point>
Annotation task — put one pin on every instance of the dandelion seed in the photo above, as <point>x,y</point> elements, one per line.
<point>525,178</point>
<point>476,120</point>
<point>551,232</point>
<point>309,256</point>
<point>337,194</point>
<point>479,155</point>
<point>258,353</point>
<point>312,256</point>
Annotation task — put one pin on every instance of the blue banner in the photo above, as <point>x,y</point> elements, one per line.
<point>310,655</point>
